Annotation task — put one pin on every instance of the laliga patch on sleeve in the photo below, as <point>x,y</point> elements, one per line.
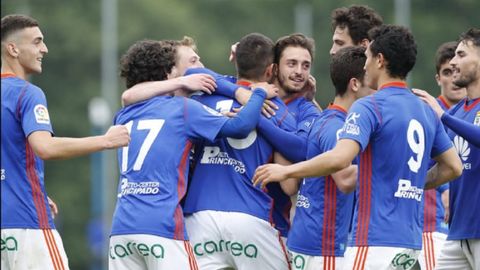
<point>211,111</point>
<point>41,114</point>
<point>476,122</point>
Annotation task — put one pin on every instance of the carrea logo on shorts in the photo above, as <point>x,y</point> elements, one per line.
<point>298,262</point>
<point>213,155</point>
<point>41,114</point>
<point>407,191</point>
<point>303,201</point>
<point>9,244</point>
<point>119,251</point>
<point>234,248</point>
<point>463,151</point>
<point>141,188</point>
<point>351,126</point>
<point>403,261</point>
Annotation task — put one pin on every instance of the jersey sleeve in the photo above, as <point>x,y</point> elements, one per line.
<point>441,142</point>
<point>361,122</point>
<point>442,188</point>
<point>201,121</point>
<point>309,112</point>
<point>225,86</point>
<point>34,112</point>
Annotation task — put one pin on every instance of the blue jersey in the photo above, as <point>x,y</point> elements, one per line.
<point>222,179</point>
<point>397,134</point>
<point>24,111</point>
<point>323,213</point>
<point>465,190</point>
<point>304,112</point>
<point>154,166</point>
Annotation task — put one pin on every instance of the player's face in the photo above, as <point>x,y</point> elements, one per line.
<point>466,64</point>
<point>449,90</point>
<point>31,49</point>
<point>186,58</point>
<point>371,70</point>
<point>294,69</point>
<point>341,39</point>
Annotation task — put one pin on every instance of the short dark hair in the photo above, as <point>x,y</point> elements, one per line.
<point>358,19</point>
<point>473,35</point>
<point>254,53</point>
<point>444,54</point>
<point>147,60</point>
<point>346,64</point>
<point>14,22</point>
<point>398,47</point>
<point>293,40</point>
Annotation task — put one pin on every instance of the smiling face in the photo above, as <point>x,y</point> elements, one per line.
<point>452,93</point>
<point>29,49</point>
<point>466,64</point>
<point>294,69</point>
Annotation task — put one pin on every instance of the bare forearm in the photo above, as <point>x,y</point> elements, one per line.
<point>64,147</point>
<point>146,90</point>
<point>438,175</point>
<point>321,165</point>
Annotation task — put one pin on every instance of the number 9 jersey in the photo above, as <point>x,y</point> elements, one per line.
<point>397,134</point>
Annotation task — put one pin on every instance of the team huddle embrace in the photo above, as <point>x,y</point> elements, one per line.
<point>248,172</point>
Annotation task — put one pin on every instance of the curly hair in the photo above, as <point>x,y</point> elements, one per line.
<point>358,19</point>
<point>293,40</point>
<point>346,64</point>
<point>444,53</point>
<point>147,60</point>
<point>398,47</point>
<point>14,22</point>
<point>473,35</point>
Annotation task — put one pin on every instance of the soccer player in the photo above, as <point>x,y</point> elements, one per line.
<point>435,217</point>
<point>232,223</point>
<point>29,237</point>
<point>462,248</point>
<point>318,237</point>
<point>351,25</point>
<point>395,133</point>
<point>148,230</point>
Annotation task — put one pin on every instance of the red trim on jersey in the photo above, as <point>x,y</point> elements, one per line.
<point>430,211</point>
<point>332,106</point>
<point>393,84</point>
<point>53,249</point>
<point>329,210</point>
<point>19,102</point>
<point>473,104</point>
<point>37,194</point>
<point>292,98</point>
<point>8,75</point>
<point>360,258</point>
<point>244,83</point>
<point>444,102</point>
<point>181,189</point>
<point>364,203</point>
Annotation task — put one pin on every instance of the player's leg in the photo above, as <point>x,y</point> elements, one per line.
<point>123,253</point>
<point>307,262</point>
<point>32,249</point>
<point>473,252</point>
<point>432,244</point>
<point>253,243</point>
<point>205,239</point>
<point>453,256</point>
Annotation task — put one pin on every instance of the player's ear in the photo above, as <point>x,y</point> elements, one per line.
<point>437,78</point>
<point>275,69</point>
<point>173,73</point>
<point>12,49</point>
<point>354,84</point>
<point>381,62</point>
<point>269,72</point>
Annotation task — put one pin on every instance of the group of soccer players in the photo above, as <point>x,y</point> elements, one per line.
<point>206,179</point>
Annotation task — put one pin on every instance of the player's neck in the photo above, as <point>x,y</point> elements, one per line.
<point>8,67</point>
<point>344,101</point>
<point>386,79</point>
<point>473,90</point>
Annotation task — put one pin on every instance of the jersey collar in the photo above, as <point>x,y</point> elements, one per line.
<point>332,106</point>
<point>393,84</point>
<point>443,101</point>
<point>8,75</point>
<point>473,103</point>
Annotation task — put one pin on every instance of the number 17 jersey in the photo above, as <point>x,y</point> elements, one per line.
<point>397,134</point>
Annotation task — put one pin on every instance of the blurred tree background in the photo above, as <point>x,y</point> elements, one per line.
<point>72,69</point>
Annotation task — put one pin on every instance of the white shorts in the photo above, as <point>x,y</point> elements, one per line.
<point>456,254</point>
<point>32,249</point>
<point>432,244</point>
<point>307,262</point>
<point>144,251</point>
<point>235,240</point>
<point>380,258</point>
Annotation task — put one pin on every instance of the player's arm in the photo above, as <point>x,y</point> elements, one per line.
<point>468,131</point>
<point>146,90</point>
<point>448,167</point>
<point>338,158</point>
<point>444,196</point>
<point>48,147</point>
<point>289,186</point>
<point>346,179</point>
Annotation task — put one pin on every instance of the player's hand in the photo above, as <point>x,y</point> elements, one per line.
<point>270,89</point>
<point>117,136</point>
<point>310,88</point>
<point>430,100</point>
<point>269,173</point>
<point>53,207</point>
<point>196,82</point>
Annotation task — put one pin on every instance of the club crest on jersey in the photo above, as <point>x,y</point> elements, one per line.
<point>476,122</point>
<point>351,126</point>
<point>41,114</point>
<point>211,111</point>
